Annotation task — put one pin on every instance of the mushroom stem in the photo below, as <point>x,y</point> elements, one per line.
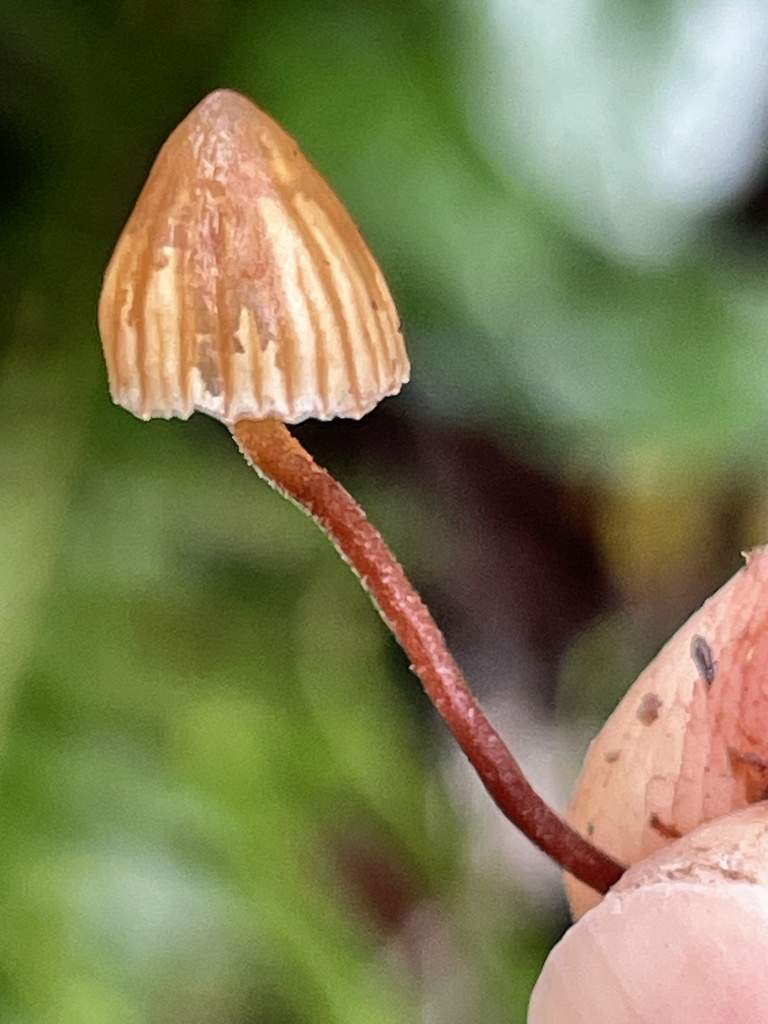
<point>277,455</point>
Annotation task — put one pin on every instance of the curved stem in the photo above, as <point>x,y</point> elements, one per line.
<point>272,450</point>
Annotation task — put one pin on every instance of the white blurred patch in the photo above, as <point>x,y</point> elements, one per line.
<point>641,121</point>
<point>499,851</point>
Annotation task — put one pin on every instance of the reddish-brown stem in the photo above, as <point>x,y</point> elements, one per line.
<point>272,449</point>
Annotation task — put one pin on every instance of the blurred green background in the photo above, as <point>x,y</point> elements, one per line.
<point>222,795</point>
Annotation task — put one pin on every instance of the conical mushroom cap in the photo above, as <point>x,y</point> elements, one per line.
<point>241,286</point>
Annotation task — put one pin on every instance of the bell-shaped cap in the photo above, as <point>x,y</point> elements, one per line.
<point>241,286</point>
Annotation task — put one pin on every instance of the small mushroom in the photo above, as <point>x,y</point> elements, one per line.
<point>241,287</point>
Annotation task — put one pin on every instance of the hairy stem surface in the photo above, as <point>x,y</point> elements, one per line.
<point>277,455</point>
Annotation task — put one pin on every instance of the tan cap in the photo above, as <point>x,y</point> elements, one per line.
<point>241,286</point>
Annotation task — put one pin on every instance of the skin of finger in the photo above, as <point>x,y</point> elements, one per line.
<point>682,748</point>
<point>661,954</point>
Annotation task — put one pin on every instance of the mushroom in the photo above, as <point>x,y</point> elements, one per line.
<point>241,287</point>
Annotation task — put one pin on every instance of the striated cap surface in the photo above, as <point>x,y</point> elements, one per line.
<point>241,286</point>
